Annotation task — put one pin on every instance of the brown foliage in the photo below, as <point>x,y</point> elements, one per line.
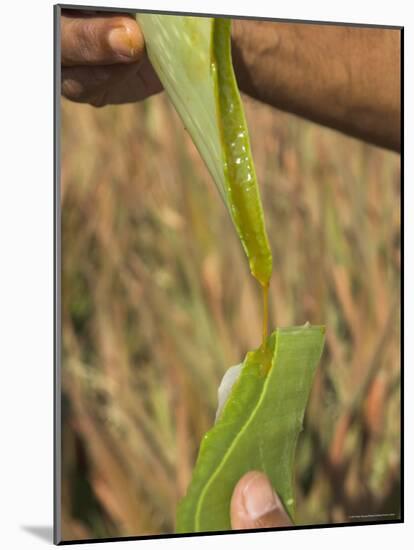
<point>157,302</point>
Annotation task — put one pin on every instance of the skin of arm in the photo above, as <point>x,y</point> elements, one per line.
<point>347,78</point>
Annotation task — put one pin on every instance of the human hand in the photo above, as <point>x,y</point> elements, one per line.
<point>104,60</point>
<point>255,505</point>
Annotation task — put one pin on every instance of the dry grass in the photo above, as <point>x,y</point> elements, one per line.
<point>157,302</point>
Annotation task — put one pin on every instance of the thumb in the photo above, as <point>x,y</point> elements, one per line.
<point>255,505</point>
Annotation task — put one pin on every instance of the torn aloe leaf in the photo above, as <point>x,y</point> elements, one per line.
<point>257,429</point>
<point>192,57</point>
<point>260,421</point>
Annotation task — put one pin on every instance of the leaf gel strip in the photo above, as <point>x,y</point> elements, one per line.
<point>241,188</point>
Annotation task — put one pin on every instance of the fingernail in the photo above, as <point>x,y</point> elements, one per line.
<point>120,41</point>
<point>259,497</point>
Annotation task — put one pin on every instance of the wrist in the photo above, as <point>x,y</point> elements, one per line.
<point>240,39</point>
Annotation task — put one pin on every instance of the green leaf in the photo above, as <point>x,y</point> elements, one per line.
<point>257,430</point>
<point>192,57</point>
<point>261,420</point>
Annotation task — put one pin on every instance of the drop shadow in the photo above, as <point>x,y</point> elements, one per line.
<point>43,532</point>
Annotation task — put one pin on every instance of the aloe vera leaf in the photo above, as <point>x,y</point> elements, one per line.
<point>257,429</point>
<point>192,57</point>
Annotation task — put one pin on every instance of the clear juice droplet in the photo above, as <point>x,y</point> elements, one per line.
<point>265,327</point>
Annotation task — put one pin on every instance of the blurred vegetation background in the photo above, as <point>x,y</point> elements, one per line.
<point>157,302</point>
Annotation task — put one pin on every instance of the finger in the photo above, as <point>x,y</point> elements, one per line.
<point>110,84</point>
<point>255,504</point>
<point>82,83</point>
<point>100,40</point>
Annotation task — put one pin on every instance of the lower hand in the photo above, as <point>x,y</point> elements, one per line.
<point>255,505</point>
